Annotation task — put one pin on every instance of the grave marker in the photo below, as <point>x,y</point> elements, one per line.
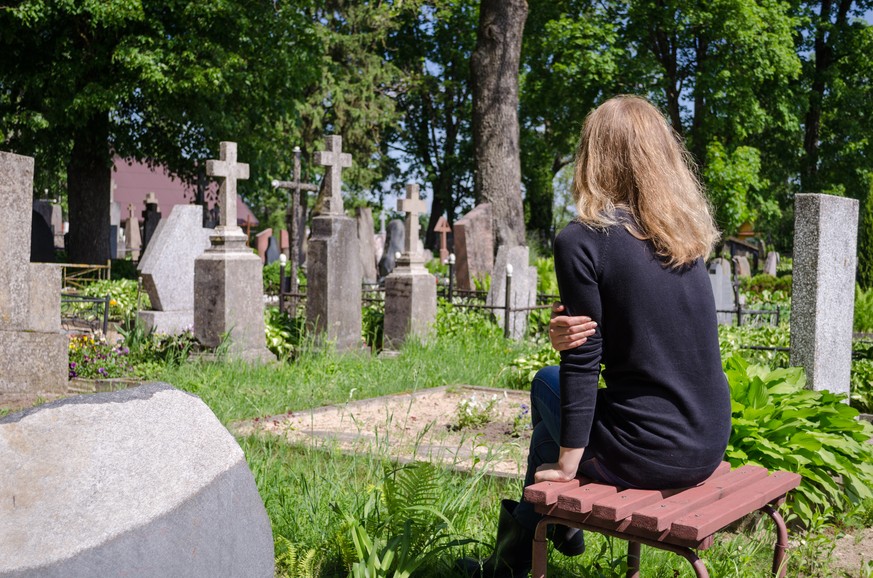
<point>442,227</point>
<point>333,302</point>
<point>296,217</point>
<point>150,219</point>
<point>523,290</point>
<point>474,246</point>
<point>132,234</point>
<point>364,217</point>
<point>410,290</point>
<point>228,277</point>
<point>33,349</point>
<point>722,290</point>
<point>823,289</point>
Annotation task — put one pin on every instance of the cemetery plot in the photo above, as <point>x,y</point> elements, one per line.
<point>417,426</point>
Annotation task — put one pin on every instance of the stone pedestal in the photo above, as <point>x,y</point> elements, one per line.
<point>33,349</point>
<point>410,305</point>
<point>823,289</point>
<point>229,297</point>
<point>333,294</point>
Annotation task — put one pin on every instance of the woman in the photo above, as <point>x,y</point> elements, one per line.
<point>633,262</point>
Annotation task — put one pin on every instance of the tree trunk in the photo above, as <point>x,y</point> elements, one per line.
<point>824,59</point>
<point>88,176</point>
<point>495,65</point>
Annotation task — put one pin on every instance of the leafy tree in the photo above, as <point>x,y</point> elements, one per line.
<point>433,49</point>
<point>157,81</point>
<point>865,244</point>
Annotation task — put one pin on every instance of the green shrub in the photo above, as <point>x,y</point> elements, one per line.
<point>123,295</point>
<point>454,321</point>
<point>780,425</point>
<point>862,376</point>
<point>547,281</point>
<point>285,334</point>
<point>271,277</point>
<point>764,282</point>
<point>373,324</point>
<point>737,340</point>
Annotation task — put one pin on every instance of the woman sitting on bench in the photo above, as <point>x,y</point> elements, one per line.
<point>633,261</point>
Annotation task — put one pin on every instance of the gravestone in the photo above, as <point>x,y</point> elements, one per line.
<point>143,482</point>
<point>333,295</point>
<point>442,227</point>
<point>132,234</point>
<point>33,349</point>
<point>395,242</point>
<point>262,240</point>
<point>114,230</point>
<point>771,263</point>
<point>743,268</point>
<point>823,289</point>
<point>284,245</point>
<point>722,290</point>
<point>54,217</point>
<point>523,288</point>
<point>474,247</point>
<point>167,269</point>
<point>364,216</point>
<point>410,290</point>
<point>295,217</point>
<point>228,277</point>
<point>150,219</point>
<point>271,255</point>
<point>42,243</point>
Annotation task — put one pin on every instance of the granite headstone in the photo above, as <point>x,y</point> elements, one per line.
<point>523,288</point>
<point>474,246</point>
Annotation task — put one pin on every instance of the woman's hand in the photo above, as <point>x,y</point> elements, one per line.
<point>567,332</point>
<point>552,473</point>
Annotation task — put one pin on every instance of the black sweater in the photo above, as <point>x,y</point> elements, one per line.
<point>664,418</point>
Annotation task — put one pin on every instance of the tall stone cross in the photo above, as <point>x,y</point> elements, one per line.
<point>336,161</point>
<point>413,206</point>
<point>232,171</point>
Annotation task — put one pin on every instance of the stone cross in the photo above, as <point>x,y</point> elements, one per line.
<point>131,211</point>
<point>336,160</point>
<point>231,171</point>
<point>442,227</point>
<point>413,206</point>
<point>151,199</point>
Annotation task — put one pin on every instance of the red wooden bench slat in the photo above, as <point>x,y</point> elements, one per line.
<point>623,504</point>
<point>713,517</point>
<point>547,492</point>
<point>581,499</point>
<point>658,517</point>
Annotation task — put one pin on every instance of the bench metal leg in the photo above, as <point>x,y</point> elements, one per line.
<point>540,549</point>
<point>779,566</point>
<point>633,559</point>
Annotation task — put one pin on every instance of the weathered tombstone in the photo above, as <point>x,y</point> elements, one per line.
<point>771,264</point>
<point>410,290</point>
<point>474,246</point>
<point>114,229</point>
<point>743,268</point>
<point>523,292</point>
<point>150,219</point>
<point>33,349</point>
<point>333,295</point>
<point>379,250</point>
<point>262,240</point>
<point>167,269</point>
<point>442,227</point>
<point>228,277</point>
<point>284,245</point>
<point>42,244</point>
<point>823,289</point>
<point>722,290</point>
<point>395,242</point>
<point>132,233</point>
<point>54,216</point>
<point>271,255</point>
<point>364,216</point>
<point>142,482</point>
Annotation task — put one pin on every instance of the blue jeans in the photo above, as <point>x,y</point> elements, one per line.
<point>545,413</point>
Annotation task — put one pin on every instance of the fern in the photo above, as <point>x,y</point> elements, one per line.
<point>293,564</point>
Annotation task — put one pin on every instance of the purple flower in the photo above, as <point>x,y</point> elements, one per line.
<point>72,365</point>
<point>101,371</point>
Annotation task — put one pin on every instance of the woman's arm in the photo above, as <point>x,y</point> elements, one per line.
<point>564,469</point>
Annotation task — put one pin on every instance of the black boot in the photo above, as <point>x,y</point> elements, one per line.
<point>512,552</point>
<point>567,541</point>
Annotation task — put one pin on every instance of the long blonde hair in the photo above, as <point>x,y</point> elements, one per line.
<point>630,158</point>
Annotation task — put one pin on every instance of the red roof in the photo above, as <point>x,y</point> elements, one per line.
<point>134,180</point>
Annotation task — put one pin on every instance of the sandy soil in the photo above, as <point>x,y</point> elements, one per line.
<point>416,426</point>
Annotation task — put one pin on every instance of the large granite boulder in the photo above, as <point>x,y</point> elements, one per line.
<point>141,482</point>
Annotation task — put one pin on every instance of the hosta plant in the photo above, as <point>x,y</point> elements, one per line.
<point>782,426</point>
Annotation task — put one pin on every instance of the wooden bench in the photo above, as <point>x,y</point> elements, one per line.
<point>678,521</point>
